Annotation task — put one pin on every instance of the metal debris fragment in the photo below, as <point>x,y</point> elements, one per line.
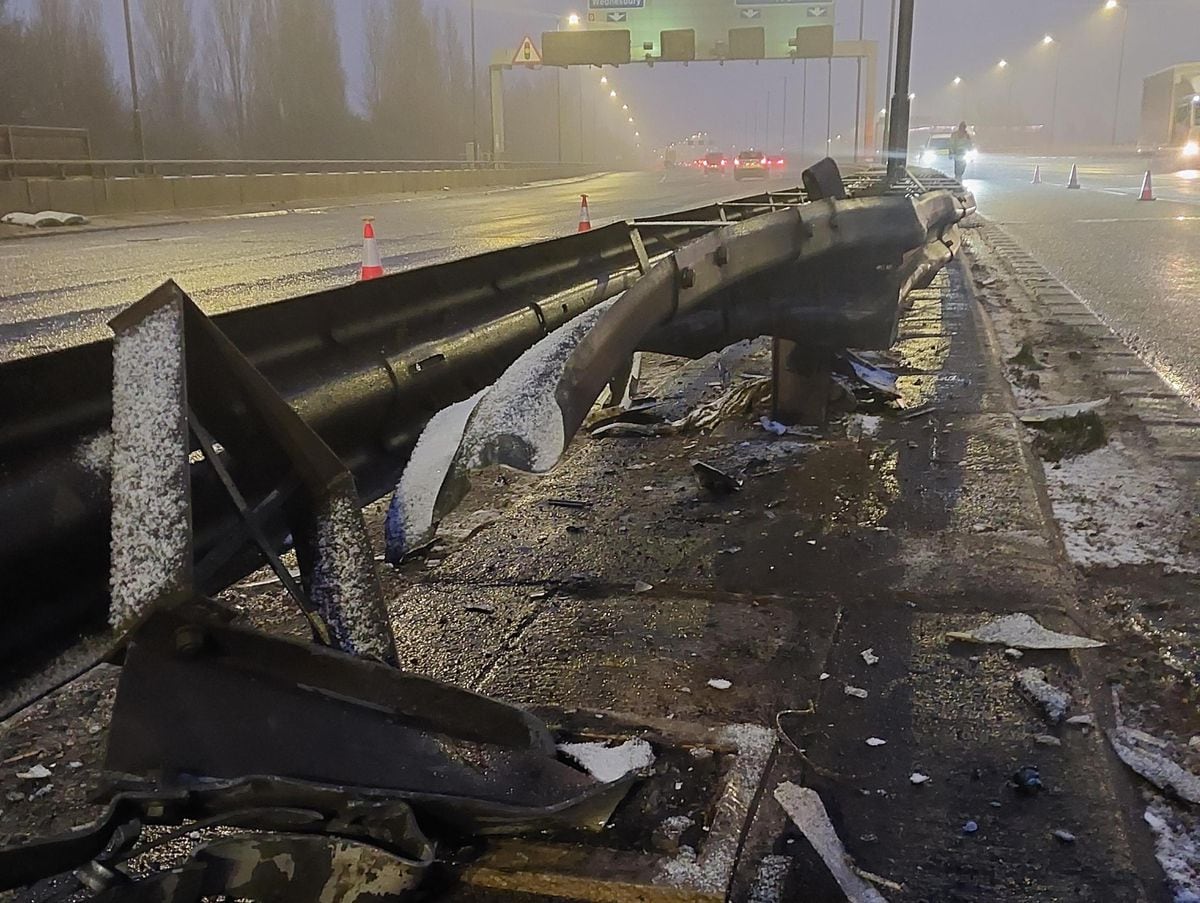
<point>1020,631</point>
<point>807,812</point>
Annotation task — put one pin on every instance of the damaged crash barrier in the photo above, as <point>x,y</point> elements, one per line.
<point>857,259</point>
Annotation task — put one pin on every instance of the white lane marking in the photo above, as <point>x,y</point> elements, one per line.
<point>13,256</point>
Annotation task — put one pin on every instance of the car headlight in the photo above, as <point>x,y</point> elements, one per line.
<point>1191,149</point>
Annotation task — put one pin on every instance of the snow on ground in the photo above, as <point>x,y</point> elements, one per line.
<point>1177,848</point>
<point>1117,508</point>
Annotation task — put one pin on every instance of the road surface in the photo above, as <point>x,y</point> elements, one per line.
<point>1136,264</point>
<point>62,289</point>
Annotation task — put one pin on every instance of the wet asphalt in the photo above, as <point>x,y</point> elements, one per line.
<point>1136,263</point>
<point>61,289</point>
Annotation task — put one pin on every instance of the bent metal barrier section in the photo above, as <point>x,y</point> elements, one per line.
<point>366,366</point>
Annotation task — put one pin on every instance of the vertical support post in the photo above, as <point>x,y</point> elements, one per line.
<point>138,136</point>
<point>897,166</point>
<point>887,75</point>
<point>858,84</point>
<point>800,382</point>
<point>869,100</point>
<point>497,79</point>
<point>474,92</point>
<point>558,111</point>
<point>829,110</point>
<point>804,114</point>
<point>783,135</point>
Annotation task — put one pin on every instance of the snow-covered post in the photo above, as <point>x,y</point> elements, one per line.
<point>151,496</point>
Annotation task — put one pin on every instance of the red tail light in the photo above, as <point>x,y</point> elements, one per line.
<point>724,162</point>
<point>764,161</point>
<point>737,162</point>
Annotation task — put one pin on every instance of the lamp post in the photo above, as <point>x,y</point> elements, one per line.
<point>138,135</point>
<point>1048,41</point>
<point>897,164</point>
<point>1109,6</point>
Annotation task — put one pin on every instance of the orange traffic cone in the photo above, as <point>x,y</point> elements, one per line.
<point>372,266</point>
<point>585,216</point>
<point>1147,188</point>
<point>1074,182</point>
<point>1037,174</point>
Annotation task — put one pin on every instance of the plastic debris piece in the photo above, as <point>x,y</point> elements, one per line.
<point>856,692</point>
<point>1088,720</point>
<point>1020,631</point>
<point>874,378</point>
<point>720,683</point>
<point>807,812</point>
<point>1064,836</point>
<point>609,763</point>
<point>869,656</point>
<point>1055,702</point>
<point>36,773</point>
<point>875,741</point>
<point>970,827</point>
<point>1028,780</point>
<point>1154,767</point>
<point>1061,412</point>
<point>715,481</point>
<point>774,427</point>
<point>917,778</point>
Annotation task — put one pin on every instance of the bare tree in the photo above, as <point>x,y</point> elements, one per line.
<point>168,51</point>
<point>231,70</point>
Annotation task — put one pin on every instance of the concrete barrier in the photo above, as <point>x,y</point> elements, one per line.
<point>157,194</point>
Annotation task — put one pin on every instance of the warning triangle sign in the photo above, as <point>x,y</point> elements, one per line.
<point>527,54</point>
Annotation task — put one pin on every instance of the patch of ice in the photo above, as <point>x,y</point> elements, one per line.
<point>1177,849</point>
<point>1033,684</point>
<point>609,763</point>
<point>151,539</point>
<point>94,454</point>
<point>1020,631</point>
<point>1154,766</point>
<point>1100,498</point>
<point>805,809</point>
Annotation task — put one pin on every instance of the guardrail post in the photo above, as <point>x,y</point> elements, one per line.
<point>800,383</point>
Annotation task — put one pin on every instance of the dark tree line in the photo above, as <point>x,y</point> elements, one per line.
<point>261,78</point>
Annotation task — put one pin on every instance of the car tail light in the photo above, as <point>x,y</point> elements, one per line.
<point>737,162</point>
<point>724,162</point>
<point>779,163</point>
<point>764,161</point>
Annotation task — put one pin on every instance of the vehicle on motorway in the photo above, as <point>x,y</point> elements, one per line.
<point>938,146</point>
<point>751,164</point>
<point>777,163</point>
<point>1171,113</point>
<point>714,164</point>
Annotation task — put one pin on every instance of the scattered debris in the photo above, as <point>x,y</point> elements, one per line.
<point>1038,416</point>
<point>875,741</point>
<point>1047,740</point>
<point>856,692</point>
<point>1033,684</point>
<point>876,379</point>
<point>917,778</point>
<point>1064,836</point>
<point>1153,766</point>
<point>1088,720</point>
<point>44,219</point>
<point>609,763</point>
<point>807,812</point>
<point>641,586</point>
<point>772,426</point>
<point>733,404</point>
<point>720,683</point>
<point>36,773</point>
<point>970,827</point>
<point>878,880</point>
<point>913,413</point>
<point>41,791</point>
<point>569,503</point>
<point>1026,358</point>
<point>863,426</point>
<point>1014,654</point>
<point>481,609</point>
<point>825,675</point>
<point>622,430</point>
<point>669,833</point>
<point>715,481</point>
<point>1177,849</point>
<point>1027,780</point>
<point>1020,631</point>
<point>869,656</point>
<point>464,528</point>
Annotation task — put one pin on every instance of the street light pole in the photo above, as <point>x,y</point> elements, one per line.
<point>804,114</point>
<point>1120,72</point>
<point>1054,100</point>
<point>887,78</point>
<point>783,131</point>
<point>474,91</point>
<point>858,82</point>
<point>829,110</point>
<point>897,164</point>
<point>138,136</point>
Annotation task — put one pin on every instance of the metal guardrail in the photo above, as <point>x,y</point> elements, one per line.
<point>367,365</point>
<point>111,169</point>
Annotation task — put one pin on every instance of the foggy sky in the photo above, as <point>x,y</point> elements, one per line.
<point>952,38</point>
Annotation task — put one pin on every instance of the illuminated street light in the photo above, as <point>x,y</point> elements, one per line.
<point>573,19</point>
<point>1111,4</point>
<point>912,97</point>
<point>604,79</point>
<point>1003,64</point>
<point>631,120</point>
<point>1048,40</point>
<point>958,79</point>
<point>625,107</point>
<point>612,94</point>
<point>1109,7</point>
